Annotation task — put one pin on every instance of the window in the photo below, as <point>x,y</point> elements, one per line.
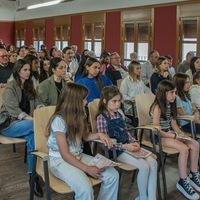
<point>188,36</point>
<point>20,33</point>
<point>20,37</point>
<point>136,39</point>
<point>38,33</point>
<point>61,31</point>
<point>136,33</point>
<point>189,30</point>
<point>38,37</point>
<point>61,36</point>
<point>93,35</point>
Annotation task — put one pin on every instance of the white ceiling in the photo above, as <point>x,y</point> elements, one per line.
<point>16,10</point>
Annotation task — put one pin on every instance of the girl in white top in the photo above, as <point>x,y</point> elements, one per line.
<point>67,128</point>
<point>132,85</point>
<point>195,90</point>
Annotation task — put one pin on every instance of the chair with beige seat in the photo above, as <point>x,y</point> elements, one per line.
<point>143,103</point>
<point>41,119</point>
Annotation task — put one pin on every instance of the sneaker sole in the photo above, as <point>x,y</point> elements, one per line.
<point>194,186</point>
<point>180,188</point>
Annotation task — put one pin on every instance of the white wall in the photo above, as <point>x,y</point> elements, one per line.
<point>80,6</point>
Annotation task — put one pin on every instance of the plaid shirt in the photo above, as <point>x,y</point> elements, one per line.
<point>102,124</point>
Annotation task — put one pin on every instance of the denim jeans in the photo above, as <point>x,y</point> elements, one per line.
<point>23,129</point>
<point>79,181</point>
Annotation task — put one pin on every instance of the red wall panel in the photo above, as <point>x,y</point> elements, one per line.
<point>7,33</point>
<point>29,33</point>
<point>113,31</point>
<point>165,30</point>
<point>49,33</point>
<point>76,32</point>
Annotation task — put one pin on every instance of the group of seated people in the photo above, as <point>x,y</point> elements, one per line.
<point>71,84</point>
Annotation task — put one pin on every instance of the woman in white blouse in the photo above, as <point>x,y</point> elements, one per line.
<point>195,89</point>
<point>132,85</point>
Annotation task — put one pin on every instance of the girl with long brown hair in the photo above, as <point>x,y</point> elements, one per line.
<point>67,128</point>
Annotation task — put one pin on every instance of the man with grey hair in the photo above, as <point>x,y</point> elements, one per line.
<point>5,67</point>
<point>149,66</point>
<point>185,65</point>
<point>134,56</point>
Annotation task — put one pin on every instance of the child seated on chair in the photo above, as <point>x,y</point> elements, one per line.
<point>132,85</point>
<point>163,113</point>
<point>110,122</point>
<point>67,128</point>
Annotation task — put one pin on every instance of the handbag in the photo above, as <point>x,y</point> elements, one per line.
<point>5,120</point>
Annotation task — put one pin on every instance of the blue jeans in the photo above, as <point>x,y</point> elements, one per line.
<point>23,129</point>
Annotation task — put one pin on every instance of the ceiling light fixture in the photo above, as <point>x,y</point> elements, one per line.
<point>50,3</point>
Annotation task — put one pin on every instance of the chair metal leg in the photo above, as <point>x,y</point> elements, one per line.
<point>46,179</point>
<point>193,130</point>
<point>25,154</point>
<point>33,177</point>
<point>158,186</point>
<point>162,168</point>
<point>14,148</point>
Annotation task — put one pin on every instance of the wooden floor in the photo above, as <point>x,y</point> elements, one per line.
<point>14,180</point>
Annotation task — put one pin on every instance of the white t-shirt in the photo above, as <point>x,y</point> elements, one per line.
<point>58,125</point>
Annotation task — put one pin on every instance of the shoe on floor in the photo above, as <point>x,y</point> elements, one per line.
<point>37,188</point>
<point>195,181</point>
<point>186,189</point>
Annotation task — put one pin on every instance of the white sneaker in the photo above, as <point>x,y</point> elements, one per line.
<point>187,190</point>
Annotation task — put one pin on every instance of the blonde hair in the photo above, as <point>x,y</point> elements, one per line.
<point>131,67</point>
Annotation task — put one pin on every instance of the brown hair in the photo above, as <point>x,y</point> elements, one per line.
<point>70,107</point>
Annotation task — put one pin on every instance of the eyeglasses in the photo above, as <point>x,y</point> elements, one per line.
<point>4,56</point>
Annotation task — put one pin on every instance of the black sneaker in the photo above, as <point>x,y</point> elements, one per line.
<point>194,180</point>
<point>186,189</point>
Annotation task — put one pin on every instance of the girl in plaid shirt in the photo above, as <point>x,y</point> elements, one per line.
<point>111,122</point>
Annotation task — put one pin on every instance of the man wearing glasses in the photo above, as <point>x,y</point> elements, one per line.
<point>5,67</point>
<point>115,70</point>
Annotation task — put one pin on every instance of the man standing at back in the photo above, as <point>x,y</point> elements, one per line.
<point>149,66</point>
<point>5,67</point>
<point>185,65</point>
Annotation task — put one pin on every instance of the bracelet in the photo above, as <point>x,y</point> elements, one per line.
<point>174,135</point>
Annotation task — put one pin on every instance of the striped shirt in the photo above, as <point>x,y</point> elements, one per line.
<point>164,123</point>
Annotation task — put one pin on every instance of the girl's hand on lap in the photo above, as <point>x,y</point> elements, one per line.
<point>94,171</point>
<point>133,146</point>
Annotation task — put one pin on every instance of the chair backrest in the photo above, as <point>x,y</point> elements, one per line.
<point>41,119</point>
<point>143,103</point>
<point>1,94</point>
<point>93,108</point>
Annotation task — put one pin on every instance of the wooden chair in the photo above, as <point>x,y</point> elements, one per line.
<point>93,110</point>
<point>143,103</point>
<point>11,140</point>
<point>41,119</point>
